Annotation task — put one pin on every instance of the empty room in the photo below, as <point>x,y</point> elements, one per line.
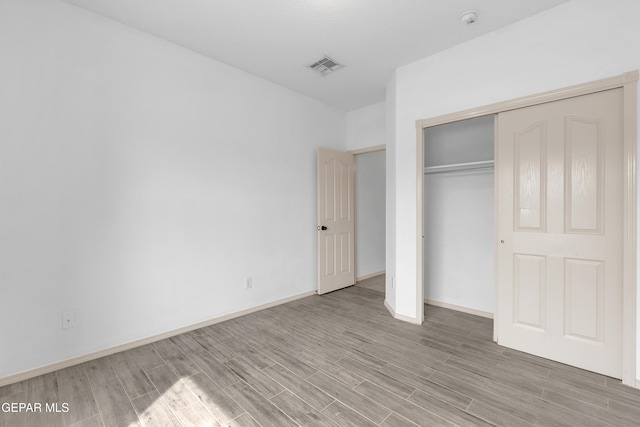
<point>319,213</point>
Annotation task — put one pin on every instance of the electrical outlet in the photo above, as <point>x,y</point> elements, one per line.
<point>393,283</point>
<point>68,320</point>
<point>248,283</point>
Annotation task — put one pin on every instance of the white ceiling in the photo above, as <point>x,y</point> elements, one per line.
<point>278,39</point>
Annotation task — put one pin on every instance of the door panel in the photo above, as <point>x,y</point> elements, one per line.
<point>529,290</point>
<point>529,146</point>
<point>584,303</point>
<point>584,170</point>
<point>560,218</point>
<point>336,202</point>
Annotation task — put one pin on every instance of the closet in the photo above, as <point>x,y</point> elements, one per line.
<point>459,215</point>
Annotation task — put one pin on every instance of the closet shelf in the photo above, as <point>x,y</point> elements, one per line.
<point>487,164</point>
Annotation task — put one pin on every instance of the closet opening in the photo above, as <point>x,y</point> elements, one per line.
<point>459,204</point>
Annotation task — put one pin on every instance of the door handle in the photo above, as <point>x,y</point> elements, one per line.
<point>322,228</point>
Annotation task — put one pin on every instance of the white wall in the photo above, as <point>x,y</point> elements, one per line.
<point>458,244</point>
<point>370,209</point>
<point>579,41</point>
<point>366,126</point>
<point>140,183</point>
<point>458,216</point>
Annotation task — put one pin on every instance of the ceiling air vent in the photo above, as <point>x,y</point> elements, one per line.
<point>325,66</point>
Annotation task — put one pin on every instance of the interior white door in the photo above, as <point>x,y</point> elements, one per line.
<point>560,231</point>
<point>336,220</point>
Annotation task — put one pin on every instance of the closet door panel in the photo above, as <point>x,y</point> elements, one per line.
<point>560,200</point>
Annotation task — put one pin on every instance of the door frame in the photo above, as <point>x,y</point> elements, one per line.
<point>365,150</point>
<point>628,83</point>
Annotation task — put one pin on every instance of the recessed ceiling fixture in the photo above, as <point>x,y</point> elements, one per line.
<point>325,66</point>
<point>469,17</point>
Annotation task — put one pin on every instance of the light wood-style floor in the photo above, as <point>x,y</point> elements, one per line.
<point>336,359</point>
<point>375,283</point>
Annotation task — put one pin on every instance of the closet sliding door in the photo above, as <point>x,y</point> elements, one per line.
<point>560,228</point>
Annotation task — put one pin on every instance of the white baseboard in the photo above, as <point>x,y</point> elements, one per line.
<point>25,375</point>
<point>369,276</point>
<point>391,310</point>
<point>459,308</point>
<point>401,316</point>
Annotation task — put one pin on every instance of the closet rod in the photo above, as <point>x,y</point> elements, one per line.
<point>487,164</point>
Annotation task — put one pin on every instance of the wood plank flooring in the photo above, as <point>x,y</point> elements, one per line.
<point>375,283</point>
<point>331,360</point>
